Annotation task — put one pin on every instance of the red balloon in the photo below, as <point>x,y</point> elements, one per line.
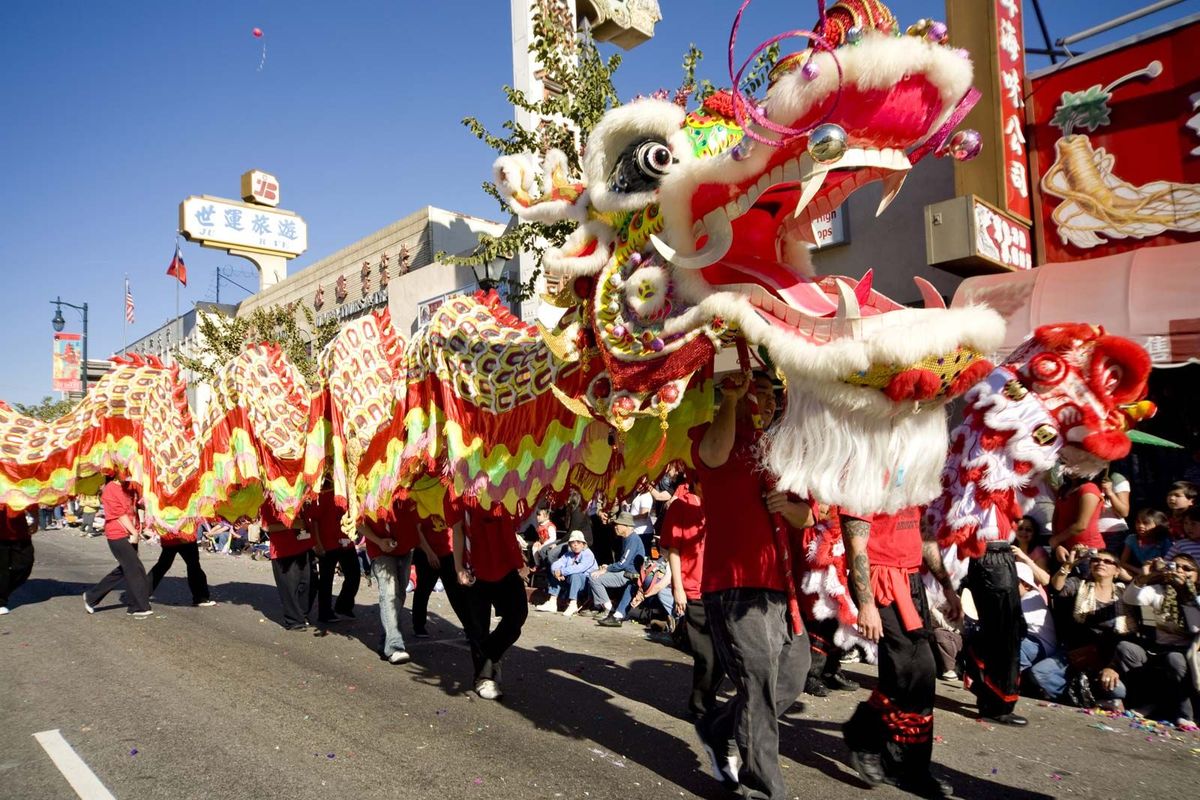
<point>257,33</point>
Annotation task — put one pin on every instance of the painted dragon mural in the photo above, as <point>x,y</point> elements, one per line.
<point>691,236</point>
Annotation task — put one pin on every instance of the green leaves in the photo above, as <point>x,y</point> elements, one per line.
<point>222,339</point>
<point>47,411</point>
<point>1087,109</point>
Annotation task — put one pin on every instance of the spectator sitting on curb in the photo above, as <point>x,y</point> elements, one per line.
<point>572,568</point>
<point>655,581</point>
<point>618,575</point>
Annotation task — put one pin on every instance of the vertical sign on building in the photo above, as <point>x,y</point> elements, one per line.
<point>1010,55</point>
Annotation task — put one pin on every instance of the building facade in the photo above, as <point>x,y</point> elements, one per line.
<point>395,267</point>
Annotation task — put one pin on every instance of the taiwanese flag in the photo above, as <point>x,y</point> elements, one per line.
<point>177,268</point>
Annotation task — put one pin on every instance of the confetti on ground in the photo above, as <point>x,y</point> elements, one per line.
<point>330,755</point>
<point>939,740</point>
<point>441,712</point>
<point>478,781</point>
<point>133,752</point>
<point>1100,726</point>
<point>1054,776</point>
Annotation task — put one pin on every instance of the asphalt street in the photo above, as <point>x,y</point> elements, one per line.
<point>222,702</point>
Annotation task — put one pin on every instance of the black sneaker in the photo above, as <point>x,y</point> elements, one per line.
<point>869,766</point>
<point>815,688</point>
<point>840,682</point>
<point>421,634</point>
<point>610,622</point>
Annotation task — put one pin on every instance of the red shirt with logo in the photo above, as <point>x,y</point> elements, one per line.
<point>402,527</point>
<point>117,502</point>
<point>491,543</point>
<point>683,530</point>
<point>739,552</point>
<point>287,541</point>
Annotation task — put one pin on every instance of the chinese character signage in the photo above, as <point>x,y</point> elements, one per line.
<point>227,224</point>
<point>1116,141</point>
<point>1010,56</point>
<point>260,187</point>
<point>67,366</point>
<point>1000,240</point>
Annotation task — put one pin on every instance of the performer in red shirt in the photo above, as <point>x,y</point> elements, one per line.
<point>184,545</point>
<point>323,519</point>
<point>745,589</point>
<point>16,551</point>
<point>293,564</point>
<point>487,560</point>
<point>390,546</point>
<point>434,558</point>
<point>123,529</point>
<point>890,735</point>
<point>682,536</point>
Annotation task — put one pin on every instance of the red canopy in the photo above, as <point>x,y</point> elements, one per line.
<point>1150,295</point>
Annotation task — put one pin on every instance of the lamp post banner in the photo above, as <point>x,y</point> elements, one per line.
<point>67,363</point>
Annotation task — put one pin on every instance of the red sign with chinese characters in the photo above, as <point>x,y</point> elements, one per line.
<point>1010,55</point>
<point>1116,140</point>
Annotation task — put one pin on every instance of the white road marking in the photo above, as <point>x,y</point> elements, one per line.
<point>78,774</point>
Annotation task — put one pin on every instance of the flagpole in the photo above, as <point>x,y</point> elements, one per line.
<point>125,319</point>
<point>177,281</point>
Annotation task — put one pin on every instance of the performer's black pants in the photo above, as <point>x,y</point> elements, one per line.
<point>129,569</point>
<point>296,579</point>
<point>896,721</point>
<point>826,656</point>
<point>351,576</point>
<point>707,672</point>
<point>767,664</point>
<point>507,596</point>
<point>427,578</point>
<point>16,562</point>
<point>190,553</point>
<point>994,650</point>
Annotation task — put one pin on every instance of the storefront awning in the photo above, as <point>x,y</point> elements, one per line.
<point>1150,295</point>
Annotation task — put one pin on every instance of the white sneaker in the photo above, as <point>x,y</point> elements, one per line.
<point>950,675</point>
<point>549,605</point>
<point>88,605</point>
<point>207,604</point>
<point>4,610</point>
<point>141,614</point>
<point>399,657</point>
<point>572,609</point>
<point>488,690</point>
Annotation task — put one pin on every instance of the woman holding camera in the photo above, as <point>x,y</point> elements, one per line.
<point>1158,673</point>
<point>1094,620</point>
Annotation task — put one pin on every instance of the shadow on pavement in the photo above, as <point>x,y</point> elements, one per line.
<point>39,590</point>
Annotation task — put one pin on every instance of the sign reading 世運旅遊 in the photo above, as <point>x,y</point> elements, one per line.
<point>225,223</point>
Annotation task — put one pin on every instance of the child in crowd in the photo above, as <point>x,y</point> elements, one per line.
<point>1189,543</point>
<point>1150,540</point>
<point>1180,497</point>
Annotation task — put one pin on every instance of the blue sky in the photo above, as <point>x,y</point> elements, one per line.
<point>115,110</point>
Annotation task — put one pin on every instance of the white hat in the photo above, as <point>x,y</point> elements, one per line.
<point>1025,574</point>
<point>576,536</point>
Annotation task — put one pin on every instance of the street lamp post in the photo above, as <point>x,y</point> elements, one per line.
<point>59,323</point>
<point>488,273</point>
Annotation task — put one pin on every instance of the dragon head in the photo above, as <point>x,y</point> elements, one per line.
<point>693,230</point>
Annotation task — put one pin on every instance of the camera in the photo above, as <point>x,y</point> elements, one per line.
<point>1170,566</point>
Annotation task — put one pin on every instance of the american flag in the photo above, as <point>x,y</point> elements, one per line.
<point>128,304</point>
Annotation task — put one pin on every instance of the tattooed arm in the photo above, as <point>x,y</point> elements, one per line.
<point>931,554</point>
<point>856,532</point>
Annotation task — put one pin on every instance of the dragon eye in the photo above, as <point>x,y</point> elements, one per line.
<point>653,159</point>
<point>641,166</point>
